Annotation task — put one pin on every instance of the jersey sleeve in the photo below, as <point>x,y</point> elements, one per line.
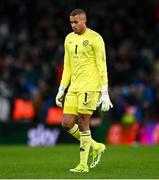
<point>66,75</point>
<point>100,57</point>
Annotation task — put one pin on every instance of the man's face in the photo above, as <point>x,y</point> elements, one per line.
<point>78,23</point>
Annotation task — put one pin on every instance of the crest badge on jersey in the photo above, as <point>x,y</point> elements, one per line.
<point>85,42</point>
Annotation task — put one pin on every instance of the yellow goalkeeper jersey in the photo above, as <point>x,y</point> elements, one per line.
<point>84,62</point>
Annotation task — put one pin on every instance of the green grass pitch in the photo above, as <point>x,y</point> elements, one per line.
<point>139,162</point>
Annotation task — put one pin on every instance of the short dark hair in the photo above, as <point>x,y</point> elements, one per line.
<point>77,11</point>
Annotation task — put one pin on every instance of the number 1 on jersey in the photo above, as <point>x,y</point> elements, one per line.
<point>76,48</point>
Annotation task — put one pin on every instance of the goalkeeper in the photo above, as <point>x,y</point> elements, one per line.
<point>85,76</point>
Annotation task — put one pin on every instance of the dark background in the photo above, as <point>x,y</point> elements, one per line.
<point>32,33</point>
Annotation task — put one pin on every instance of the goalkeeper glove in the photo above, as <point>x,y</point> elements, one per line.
<point>60,96</point>
<point>104,100</point>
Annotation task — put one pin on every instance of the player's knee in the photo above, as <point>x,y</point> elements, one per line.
<point>83,122</point>
<point>66,123</point>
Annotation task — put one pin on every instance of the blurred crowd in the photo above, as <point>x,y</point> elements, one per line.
<point>31,53</point>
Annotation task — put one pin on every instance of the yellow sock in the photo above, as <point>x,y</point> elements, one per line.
<point>74,131</point>
<point>94,144</point>
<point>85,142</point>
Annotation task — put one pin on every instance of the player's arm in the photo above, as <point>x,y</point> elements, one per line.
<point>66,76</point>
<point>100,57</point>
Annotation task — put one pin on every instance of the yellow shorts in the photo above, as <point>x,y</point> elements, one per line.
<point>81,102</point>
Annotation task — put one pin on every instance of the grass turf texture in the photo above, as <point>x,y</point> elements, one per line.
<point>54,162</point>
